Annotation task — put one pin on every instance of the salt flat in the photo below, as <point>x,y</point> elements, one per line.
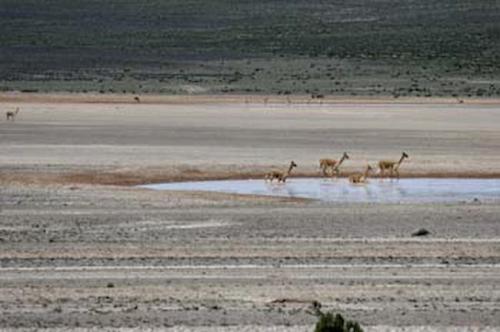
<point>81,249</point>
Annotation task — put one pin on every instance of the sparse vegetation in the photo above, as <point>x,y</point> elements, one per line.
<point>360,47</point>
<point>328,322</point>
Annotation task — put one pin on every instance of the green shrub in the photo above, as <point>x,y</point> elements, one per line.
<point>329,323</point>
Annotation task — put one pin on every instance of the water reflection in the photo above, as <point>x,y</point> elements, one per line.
<point>340,190</point>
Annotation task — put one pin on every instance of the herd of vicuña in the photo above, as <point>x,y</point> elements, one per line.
<point>331,167</point>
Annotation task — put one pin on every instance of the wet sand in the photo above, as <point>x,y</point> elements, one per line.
<point>79,249</point>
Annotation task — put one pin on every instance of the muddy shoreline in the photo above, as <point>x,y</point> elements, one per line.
<point>152,175</point>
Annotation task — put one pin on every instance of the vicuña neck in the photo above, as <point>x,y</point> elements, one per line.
<point>341,160</point>
<point>401,160</point>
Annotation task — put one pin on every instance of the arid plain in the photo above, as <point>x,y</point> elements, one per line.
<point>81,248</point>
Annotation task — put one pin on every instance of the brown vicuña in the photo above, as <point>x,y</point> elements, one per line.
<point>280,176</point>
<point>326,164</point>
<point>11,115</point>
<point>360,177</point>
<point>391,166</point>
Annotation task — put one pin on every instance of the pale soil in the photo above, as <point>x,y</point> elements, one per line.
<point>251,328</point>
<point>135,143</point>
<point>79,252</point>
<point>17,97</point>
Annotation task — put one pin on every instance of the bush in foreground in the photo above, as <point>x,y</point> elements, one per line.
<point>330,323</point>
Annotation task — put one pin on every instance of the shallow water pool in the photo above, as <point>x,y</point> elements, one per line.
<point>340,190</point>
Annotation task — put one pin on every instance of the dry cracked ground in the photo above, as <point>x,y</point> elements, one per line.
<point>81,249</point>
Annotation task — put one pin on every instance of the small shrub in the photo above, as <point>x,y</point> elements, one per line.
<point>330,323</point>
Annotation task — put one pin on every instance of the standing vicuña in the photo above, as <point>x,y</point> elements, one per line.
<point>11,115</point>
<point>281,176</point>
<point>360,177</point>
<point>332,164</point>
<point>391,165</point>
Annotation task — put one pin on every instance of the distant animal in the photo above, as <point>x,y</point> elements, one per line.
<point>281,176</point>
<point>11,115</point>
<point>137,99</point>
<point>332,164</point>
<point>357,178</point>
<point>391,166</point>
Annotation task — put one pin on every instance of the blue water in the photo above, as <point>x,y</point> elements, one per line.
<point>340,190</point>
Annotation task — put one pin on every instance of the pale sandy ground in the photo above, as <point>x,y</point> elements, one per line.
<point>252,328</point>
<point>76,254</point>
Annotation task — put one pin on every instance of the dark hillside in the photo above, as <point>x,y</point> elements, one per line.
<point>387,47</point>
